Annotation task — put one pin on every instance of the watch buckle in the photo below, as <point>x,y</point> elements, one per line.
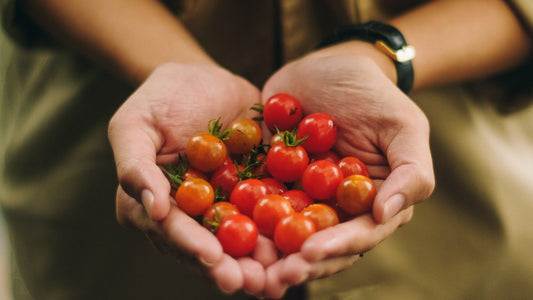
<point>406,53</point>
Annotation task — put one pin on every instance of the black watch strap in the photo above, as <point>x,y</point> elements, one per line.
<point>385,38</point>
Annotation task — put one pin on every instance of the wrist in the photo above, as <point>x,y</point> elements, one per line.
<point>387,40</point>
<point>361,48</point>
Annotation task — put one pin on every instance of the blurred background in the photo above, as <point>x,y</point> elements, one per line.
<point>5,291</point>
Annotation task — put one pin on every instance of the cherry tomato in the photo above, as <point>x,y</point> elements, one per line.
<point>245,135</point>
<point>214,215</point>
<point>192,173</point>
<point>292,231</point>
<point>228,160</point>
<point>356,194</point>
<point>275,139</point>
<point>286,163</point>
<point>321,179</point>
<point>194,196</point>
<point>259,171</point>
<point>205,152</point>
<point>320,130</point>
<point>341,214</point>
<point>322,215</point>
<point>246,193</point>
<point>352,166</point>
<point>189,173</point>
<point>238,235</point>
<point>282,111</point>
<point>298,199</point>
<point>225,179</point>
<point>275,186</point>
<point>268,211</point>
<point>329,155</point>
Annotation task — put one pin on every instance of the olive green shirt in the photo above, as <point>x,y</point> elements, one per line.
<point>471,240</point>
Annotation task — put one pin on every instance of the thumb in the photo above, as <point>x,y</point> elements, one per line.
<point>411,179</point>
<point>134,147</point>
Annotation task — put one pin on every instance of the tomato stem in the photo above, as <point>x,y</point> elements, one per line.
<point>175,179</point>
<point>258,107</point>
<point>215,127</point>
<point>175,172</point>
<point>219,195</point>
<point>290,138</point>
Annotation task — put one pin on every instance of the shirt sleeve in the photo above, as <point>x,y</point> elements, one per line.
<point>20,28</point>
<point>524,11</point>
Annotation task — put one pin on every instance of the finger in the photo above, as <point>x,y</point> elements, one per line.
<point>135,142</point>
<point>352,237</point>
<point>275,288</point>
<point>411,179</point>
<point>296,269</point>
<point>227,274</point>
<point>254,275</point>
<point>265,251</point>
<point>130,214</point>
<point>184,233</point>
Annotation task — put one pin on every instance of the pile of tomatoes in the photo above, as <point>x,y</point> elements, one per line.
<point>239,187</point>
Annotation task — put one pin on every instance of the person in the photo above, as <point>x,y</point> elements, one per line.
<point>68,67</point>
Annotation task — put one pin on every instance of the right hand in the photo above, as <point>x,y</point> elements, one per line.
<point>150,129</point>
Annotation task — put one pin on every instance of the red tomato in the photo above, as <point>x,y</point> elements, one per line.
<point>259,170</point>
<point>245,135</point>
<point>275,186</point>
<point>225,178</point>
<point>286,163</point>
<point>341,214</point>
<point>228,160</point>
<point>214,215</point>
<point>320,130</point>
<point>194,196</point>
<point>268,211</point>
<point>282,111</point>
<point>321,179</point>
<point>191,173</point>
<point>298,199</point>
<point>292,231</point>
<point>205,152</point>
<point>330,155</point>
<point>246,193</point>
<point>352,166</point>
<point>238,235</point>
<point>322,215</point>
<point>356,194</point>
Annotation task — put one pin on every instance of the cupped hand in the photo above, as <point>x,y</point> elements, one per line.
<point>150,129</point>
<point>376,123</point>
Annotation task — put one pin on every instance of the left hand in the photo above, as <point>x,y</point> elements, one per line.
<point>376,123</point>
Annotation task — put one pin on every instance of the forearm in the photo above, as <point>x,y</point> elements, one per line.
<point>455,40</point>
<point>461,40</point>
<point>131,37</point>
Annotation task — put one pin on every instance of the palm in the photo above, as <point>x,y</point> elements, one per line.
<point>363,102</point>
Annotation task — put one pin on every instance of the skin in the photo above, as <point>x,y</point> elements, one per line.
<point>392,137</point>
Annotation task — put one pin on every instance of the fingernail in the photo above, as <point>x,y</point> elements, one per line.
<point>205,263</point>
<point>147,199</point>
<point>392,206</point>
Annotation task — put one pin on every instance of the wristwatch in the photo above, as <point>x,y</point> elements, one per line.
<point>386,39</point>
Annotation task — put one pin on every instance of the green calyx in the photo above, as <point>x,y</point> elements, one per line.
<point>175,172</point>
<point>290,139</point>
<point>258,107</point>
<point>215,128</point>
